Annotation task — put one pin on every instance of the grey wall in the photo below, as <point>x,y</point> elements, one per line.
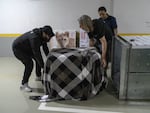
<point>5,47</point>
<point>19,16</point>
<point>132,16</point>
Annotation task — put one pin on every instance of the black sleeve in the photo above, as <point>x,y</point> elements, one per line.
<point>113,22</point>
<point>45,48</point>
<point>108,33</point>
<point>91,35</point>
<point>35,46</point>
<point>99,29</point>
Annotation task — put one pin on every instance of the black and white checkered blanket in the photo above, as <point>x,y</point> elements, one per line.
<point>73,73</point>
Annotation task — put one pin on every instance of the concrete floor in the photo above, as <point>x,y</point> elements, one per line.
<point>12,100</point>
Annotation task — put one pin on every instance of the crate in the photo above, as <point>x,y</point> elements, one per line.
<point>131,66</point>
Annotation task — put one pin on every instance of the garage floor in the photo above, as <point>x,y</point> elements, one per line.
<point>12,100</point>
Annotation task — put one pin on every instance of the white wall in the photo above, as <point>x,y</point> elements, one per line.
<point>132,15</point>
<point>19,16</point>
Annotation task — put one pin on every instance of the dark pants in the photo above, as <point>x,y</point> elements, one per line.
<point>37,69</point>
<point>27,60</point>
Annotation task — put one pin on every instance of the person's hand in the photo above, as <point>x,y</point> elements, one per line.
<point>42,71</point>
<point>103,62</point>
<point>92,42</point>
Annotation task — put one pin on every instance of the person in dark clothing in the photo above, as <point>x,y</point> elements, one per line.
<point>108,19</point>
<point>96,32</point>
<point>107,32</point>
<point>27,47</point>
<point>100,35</point>
<point>111,26</point>
<point>108,36</point>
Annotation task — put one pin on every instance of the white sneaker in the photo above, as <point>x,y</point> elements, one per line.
<point>26,88</point>
<point>38,79</point>
<point>44,97</point>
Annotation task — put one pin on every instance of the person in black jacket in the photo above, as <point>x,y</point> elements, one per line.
<point>27,47</point>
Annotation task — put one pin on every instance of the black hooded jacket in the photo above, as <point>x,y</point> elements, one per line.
<point>30,44</point>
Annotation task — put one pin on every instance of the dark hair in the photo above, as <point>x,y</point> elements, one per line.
<point>102,9</point>
<point>48,30</point>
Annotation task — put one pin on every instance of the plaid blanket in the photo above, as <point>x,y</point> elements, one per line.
<point>73,73</point>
